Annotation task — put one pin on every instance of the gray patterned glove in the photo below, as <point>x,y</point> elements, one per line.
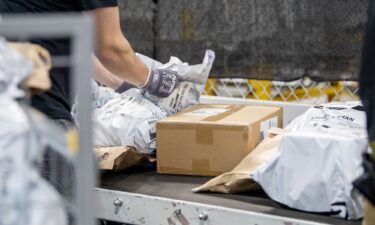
<point>161,82</point>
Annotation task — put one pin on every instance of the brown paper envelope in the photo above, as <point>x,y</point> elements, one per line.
<point>369,218</point>
<point>238,179</point>
<point>39,79</point>
<point>120,158</point>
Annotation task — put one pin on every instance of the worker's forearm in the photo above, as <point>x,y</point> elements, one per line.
<point>103,76</point>
<point>120,59</point>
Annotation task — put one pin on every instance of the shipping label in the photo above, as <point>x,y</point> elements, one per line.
<point>207,112</point>
<point>266,125</point>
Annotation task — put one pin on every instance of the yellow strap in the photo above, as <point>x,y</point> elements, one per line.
<point>72,141</point>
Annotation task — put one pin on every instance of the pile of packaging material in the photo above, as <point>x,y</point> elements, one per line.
<point>318,160</point>
<point>310,165</point>
<point>129,119</point>
<point>26,198</point>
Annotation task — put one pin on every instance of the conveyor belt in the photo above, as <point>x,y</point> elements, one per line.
<point>145,181</point>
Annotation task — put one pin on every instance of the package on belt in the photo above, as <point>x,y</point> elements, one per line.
<point>317,162</point>
<point>128,119</point>
<point>208,140</point>
<point>26,198</point>
<point>338,117</point>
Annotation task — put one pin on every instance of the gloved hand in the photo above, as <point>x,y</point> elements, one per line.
<point>161,82</point>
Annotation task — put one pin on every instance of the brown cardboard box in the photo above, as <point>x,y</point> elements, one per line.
<point>369,218</point>
<point>208,140</point>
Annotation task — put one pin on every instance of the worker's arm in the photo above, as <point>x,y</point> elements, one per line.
<point>103,76</point>
<point>116,54</point>
<point>114,50</point>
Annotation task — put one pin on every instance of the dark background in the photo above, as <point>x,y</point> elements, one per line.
<point>256,39</point>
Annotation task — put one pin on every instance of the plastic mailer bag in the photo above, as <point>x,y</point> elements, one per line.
<point>317,162</point>
<point>129,119</point>
<point>338,117</point>
<point>26,198</point>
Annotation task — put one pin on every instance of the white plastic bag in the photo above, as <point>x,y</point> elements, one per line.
<point>129,118</point>
<point>335,117</point>
<point>25,197</point>
<point>14,68</point>
<point>317,162</point>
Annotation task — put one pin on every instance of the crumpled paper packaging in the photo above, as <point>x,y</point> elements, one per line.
<point>39,79</point>
<point>120,158</point>
<point>238,180</point>
<point>369,218</point>
<point>14,68</point>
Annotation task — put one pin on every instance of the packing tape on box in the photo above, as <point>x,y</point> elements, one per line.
<point>231,109</point>
<point>204,135</point>
<point>204,132</point>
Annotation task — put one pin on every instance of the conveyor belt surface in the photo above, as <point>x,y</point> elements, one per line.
<point>147,182</point>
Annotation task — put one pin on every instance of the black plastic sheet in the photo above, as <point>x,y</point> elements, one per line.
<point>366,183</point>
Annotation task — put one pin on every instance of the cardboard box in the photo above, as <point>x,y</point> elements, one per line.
<point>208,140</point>
<point>369,217</point>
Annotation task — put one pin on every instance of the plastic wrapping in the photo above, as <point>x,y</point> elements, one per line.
<point>26,198</point>
<point>336,117</point>
<point>317,162</point>
<point>129,119</point>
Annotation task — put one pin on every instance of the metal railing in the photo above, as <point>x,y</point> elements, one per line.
<point>79,29</point>
<point>303,90</point>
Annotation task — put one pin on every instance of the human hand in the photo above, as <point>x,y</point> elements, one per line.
<point>161,82</point>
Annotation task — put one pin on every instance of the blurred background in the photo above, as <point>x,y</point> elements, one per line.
<point>284,50</point>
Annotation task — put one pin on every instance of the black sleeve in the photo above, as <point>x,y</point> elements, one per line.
<point>95,4</point>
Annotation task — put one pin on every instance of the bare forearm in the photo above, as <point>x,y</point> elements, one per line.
<point>105,77</point>
<point>114,50</point>
<point>121,60</point>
